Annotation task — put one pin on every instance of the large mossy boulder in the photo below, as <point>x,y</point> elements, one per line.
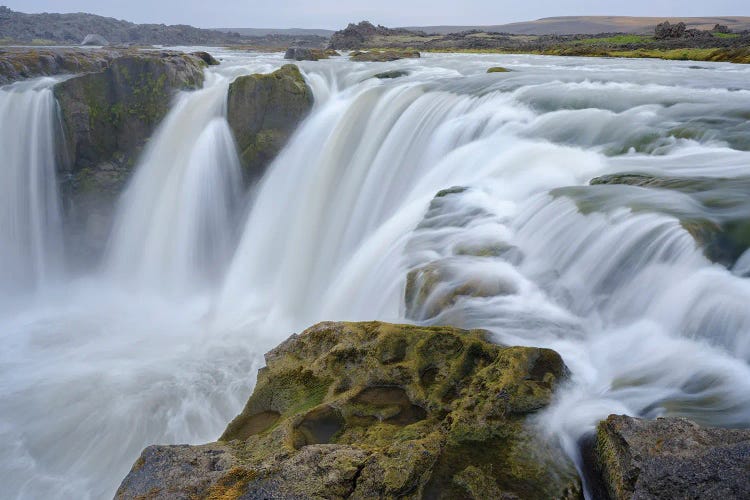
<point>107,116</point>
<point>670,458</point>
<point>263,111</point>
<point>376,410</point>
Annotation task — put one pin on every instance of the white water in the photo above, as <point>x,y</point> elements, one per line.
<point>31,244</point>
<point>92,373</point>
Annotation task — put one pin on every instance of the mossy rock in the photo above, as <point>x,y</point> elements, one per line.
<point>263,111</point>
<point>383,55</point>
<point>498,69</point>
<point>377,410</point>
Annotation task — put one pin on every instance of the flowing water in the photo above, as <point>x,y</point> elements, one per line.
<point>161,345</point>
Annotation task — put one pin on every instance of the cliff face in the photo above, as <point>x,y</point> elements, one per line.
<point>106,118</point>
<point>374,410</point>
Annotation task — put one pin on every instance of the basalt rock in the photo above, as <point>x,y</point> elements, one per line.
<point>498,69</point>
<point>20,63</point>
<point>309,54</point>
<point>375,410</point>
<point>670,458</point>
<point>106,118</point>
<point>263,111</point>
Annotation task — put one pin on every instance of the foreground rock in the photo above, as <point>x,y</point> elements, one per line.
<point>374,410</point>
<point>671,458</point>
<point>20,63</point>
<point>263,111</point>
<point>107,116</point>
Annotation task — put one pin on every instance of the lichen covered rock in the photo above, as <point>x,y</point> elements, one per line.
<point>671,458</point>
<point>263,111</point>
<point>375,410</point>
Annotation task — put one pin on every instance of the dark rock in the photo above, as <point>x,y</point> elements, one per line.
<point>498,69</point>
<point>383,55</point>
<point>206,58</point>
<point>671,458</point>
<point>721,28</point>
<point>95,40</point>
<point>263,111</point>
<point>391,74</point>
<point>357,36</point>
<point>20,63</point>
<point>374,410</point>
<point>106,118</point>
<point>666,30</point>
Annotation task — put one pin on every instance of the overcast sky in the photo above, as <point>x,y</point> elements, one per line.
<point>335,14</point>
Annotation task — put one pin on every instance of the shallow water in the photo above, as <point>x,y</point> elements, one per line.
<point>162,343</point>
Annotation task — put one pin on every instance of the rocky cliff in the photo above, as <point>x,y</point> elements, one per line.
<point>263,111</point>
<point>375,410</point>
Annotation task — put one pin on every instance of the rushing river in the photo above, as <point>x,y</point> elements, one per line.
<point>160,342</point>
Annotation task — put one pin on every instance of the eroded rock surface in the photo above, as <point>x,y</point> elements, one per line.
<point>671,458</point>
<point>263,111</point>
<point>375,410</point>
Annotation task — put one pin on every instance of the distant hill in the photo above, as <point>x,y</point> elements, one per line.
<point>277,31</point>
<point>589,25</point>
<point>71,29</point>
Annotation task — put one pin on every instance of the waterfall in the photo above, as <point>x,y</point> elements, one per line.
<point>606,275</point>
<point>173,228</point>
<point>31,244</point>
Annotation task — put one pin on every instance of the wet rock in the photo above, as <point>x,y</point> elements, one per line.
<point>20,63</point>
<point>386,75</point>
<point>375,410</point>
<point>206,58</point>
<point>309,54</point>
<point>382,55</point>
<point>106,118</point>
<point>498,69</point>
<point>263,111</point>
<point>671,458</point>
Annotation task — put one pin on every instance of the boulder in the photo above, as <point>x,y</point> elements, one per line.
<point>206,58</point>
<point>263,111</point>
<point>498,69</point>
<point>106,118</point>
<point>376,410</point>
<point>671,458</point>
<point>386,75</point>
<point>383,55</point>
<point>95,40</point>
<point>19,63</point>
<point>308,54</point>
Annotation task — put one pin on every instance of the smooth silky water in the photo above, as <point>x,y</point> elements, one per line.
<point>161,341</point>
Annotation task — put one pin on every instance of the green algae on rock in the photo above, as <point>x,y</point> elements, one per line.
<point>498,69</point>
<point>376,410</point>
<point>263,111</point>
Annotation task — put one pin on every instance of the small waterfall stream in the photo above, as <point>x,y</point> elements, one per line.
<point>31,244</point>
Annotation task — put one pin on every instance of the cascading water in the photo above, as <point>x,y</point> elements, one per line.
<point>606,275</point>
<point>174,228</point>
<point>31,244</point>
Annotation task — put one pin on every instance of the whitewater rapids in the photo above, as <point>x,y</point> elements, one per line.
<point>160,343</point>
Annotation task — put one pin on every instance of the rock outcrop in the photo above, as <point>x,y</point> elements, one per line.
<point>107,116</point>
<point>375,410</point>
<point>383,55</point>
<point>309,54</point>
<point>263,111</point>
<point>20,63</point>
<point>356,36</point>
<point>671,458</point>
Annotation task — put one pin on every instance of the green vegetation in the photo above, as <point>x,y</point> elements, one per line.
<point>726,35</point>
<point>618,40</point>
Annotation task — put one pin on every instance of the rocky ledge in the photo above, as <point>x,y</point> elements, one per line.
<point>670,458</point>
<point>375,410</point>
<point>383,55</point>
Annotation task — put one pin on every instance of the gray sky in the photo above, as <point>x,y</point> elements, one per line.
<point>335,14</point>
